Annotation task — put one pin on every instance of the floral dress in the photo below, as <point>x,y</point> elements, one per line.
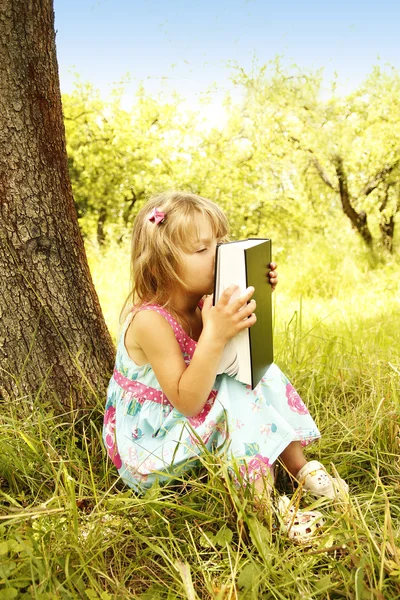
<point>149,440</point>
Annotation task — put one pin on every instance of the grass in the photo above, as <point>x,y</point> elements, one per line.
<point>70,529</point>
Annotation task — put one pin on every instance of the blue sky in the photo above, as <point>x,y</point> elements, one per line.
<point>186,44</point>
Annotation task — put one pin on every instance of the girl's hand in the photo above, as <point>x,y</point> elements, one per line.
<point>273,275</point>
<point>226,319</point>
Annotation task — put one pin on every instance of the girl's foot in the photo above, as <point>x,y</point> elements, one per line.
<point>314,479</point>
<point>301,526</point>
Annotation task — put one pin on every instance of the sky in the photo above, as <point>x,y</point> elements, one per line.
<point>190,45</point>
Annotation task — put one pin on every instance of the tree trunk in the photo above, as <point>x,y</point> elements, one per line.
<point>101,234</point>
<point>54,343</point>
<point>387,232</point>
<point>130,203</point>
<point>387,222</point>
<point>358,220</point>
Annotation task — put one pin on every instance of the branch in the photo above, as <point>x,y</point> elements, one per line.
<point>85,112</point>
<point>379,177</point>
<point>244,161</point>
<point>385,198</point>
<point>321,171</point>
<point>323,174</point>
<point>132,201</point>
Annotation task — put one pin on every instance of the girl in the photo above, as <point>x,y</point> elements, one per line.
<point>166,398</point>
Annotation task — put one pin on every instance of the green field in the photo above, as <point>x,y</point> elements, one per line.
<point>70,529</point>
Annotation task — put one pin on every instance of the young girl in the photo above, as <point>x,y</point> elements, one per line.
<point>166,395</point>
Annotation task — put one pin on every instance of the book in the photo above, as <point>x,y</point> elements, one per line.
<point>245,263</point>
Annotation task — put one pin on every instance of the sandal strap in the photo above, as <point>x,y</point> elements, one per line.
<point>322,483</point>
<point>309,468</point>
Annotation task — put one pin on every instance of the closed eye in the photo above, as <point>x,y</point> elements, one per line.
<point>202,250</point>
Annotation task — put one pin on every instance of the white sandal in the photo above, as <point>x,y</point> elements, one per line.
<point>314,479</point>
<point>301,526</point>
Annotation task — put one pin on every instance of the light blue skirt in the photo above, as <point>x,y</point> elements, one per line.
<point>148,440</point>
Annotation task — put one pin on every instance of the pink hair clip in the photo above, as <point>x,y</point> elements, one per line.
<point>156,216</point>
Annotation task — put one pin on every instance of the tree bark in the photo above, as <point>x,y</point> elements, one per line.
<point>387,222</point>
<point>101,220</point>
<point>387,232</point>
<point>54,343</point>
<point>380,176</point>
<point>130,203</point>
<point>358,220</point>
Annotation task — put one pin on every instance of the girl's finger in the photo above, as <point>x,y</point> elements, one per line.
<point>243,299</point>
<point>226,294</point>
<point>247,310</point>
<point>246,323</point>
<point>208,300</point>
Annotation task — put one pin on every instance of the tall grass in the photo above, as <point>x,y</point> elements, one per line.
<point>70,529</point>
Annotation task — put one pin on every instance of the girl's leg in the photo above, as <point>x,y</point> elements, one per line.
<point>301,526</point>
<point>293,458</point>
<point>312,475</point>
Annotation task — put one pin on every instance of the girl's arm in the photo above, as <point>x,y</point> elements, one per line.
<point>188,387</point>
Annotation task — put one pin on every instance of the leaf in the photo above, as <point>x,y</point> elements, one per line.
<point>29,441</point>
<point>186,576</point>
<point>393,568</point>
<point>249,576</point>
<point>209,541</point>
<point>359,580</point>
<point>224,536</point>
<point>3,548</point>
<point>8,593</point>
<point>260,537</point>
<point>153,593</point>
<point>6,569</point>
<point>15,547</point>
<point>323,584</point>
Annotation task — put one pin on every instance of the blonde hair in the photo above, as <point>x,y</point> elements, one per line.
<point>156,249</point>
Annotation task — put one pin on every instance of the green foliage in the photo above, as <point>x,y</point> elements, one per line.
<point>116,156</point>
<point>274,166</point>
<point>69,529</point>
<point>307,134</point>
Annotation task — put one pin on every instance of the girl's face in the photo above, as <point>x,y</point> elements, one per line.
<point>198,260</point>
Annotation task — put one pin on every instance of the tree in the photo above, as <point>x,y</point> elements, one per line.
<point>53,339</point>
<point>118,157</point>
<point>350,145</point>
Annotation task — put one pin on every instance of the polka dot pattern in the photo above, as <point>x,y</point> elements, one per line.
<point>186,344</point>
<point>140,391</point>
<point>143,392</point>
<point>146,438</point>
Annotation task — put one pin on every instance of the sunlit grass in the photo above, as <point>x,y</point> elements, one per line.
<point>110,272</point>
<point>70,529</point>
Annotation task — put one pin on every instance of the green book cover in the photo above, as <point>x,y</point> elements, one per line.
<point>246,263</point>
